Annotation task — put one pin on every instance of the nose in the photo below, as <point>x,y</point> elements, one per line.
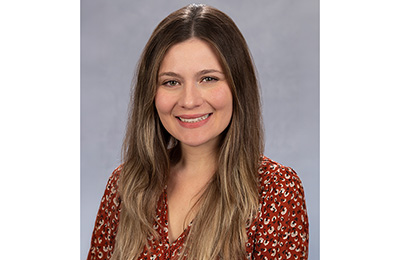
<point>191,96</point>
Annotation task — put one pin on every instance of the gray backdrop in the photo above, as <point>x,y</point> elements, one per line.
<point>283,36</point>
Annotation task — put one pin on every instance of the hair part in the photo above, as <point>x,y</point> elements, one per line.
<point>230,200</point>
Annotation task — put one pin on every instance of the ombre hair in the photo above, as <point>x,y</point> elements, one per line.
<point>230,200</point>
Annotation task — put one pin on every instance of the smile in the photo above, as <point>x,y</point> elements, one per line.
<point>194,120</point>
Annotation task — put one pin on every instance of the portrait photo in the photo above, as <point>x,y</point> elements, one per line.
<point>283,41</point>
<point>261,129</point>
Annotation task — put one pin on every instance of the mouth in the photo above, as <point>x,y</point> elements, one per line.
<point>193,119</point>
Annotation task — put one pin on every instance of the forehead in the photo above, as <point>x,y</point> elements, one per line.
<point>193,54</point>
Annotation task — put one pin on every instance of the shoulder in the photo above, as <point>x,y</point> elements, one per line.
<point>281,229</point>
<point>273,175</point>
<point>113,180</point>
<point>111,196</point>
<point>111,201</point>
<point>111,191</point>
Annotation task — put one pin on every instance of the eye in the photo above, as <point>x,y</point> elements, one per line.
<point>209,79</point>
<point>171,83</point>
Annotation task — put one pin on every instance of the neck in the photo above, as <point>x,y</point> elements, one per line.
<point>197,162</point>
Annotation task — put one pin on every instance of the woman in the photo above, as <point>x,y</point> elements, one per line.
<point>193,184</point>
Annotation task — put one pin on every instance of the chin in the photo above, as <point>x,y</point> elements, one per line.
<point>192,142</point>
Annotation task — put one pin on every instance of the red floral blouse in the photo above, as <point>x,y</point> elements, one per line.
<point>279,232</point>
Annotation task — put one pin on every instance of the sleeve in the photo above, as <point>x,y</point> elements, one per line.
<point>105,227</point>
<point>282,229</point>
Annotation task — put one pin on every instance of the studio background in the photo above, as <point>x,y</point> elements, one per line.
<point>283,37</point>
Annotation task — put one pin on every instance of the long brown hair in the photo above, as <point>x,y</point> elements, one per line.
<point>230,200</point>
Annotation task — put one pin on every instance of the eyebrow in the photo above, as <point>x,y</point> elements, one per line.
<point>202,72</point>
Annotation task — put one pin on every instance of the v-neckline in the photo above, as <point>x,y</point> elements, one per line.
<point>182,236</point>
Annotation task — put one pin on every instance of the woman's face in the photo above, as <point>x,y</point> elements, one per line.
<point>193,98</point>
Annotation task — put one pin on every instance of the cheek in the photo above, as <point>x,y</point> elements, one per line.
<point>222,99</point>
<point>163,103</point>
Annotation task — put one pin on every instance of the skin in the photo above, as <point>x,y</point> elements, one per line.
<point>191,84</point>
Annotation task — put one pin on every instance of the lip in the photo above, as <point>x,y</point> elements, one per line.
<point>193,124</point>
<point>192,116</point>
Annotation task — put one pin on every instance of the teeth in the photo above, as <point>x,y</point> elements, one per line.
<point>193,120</point>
